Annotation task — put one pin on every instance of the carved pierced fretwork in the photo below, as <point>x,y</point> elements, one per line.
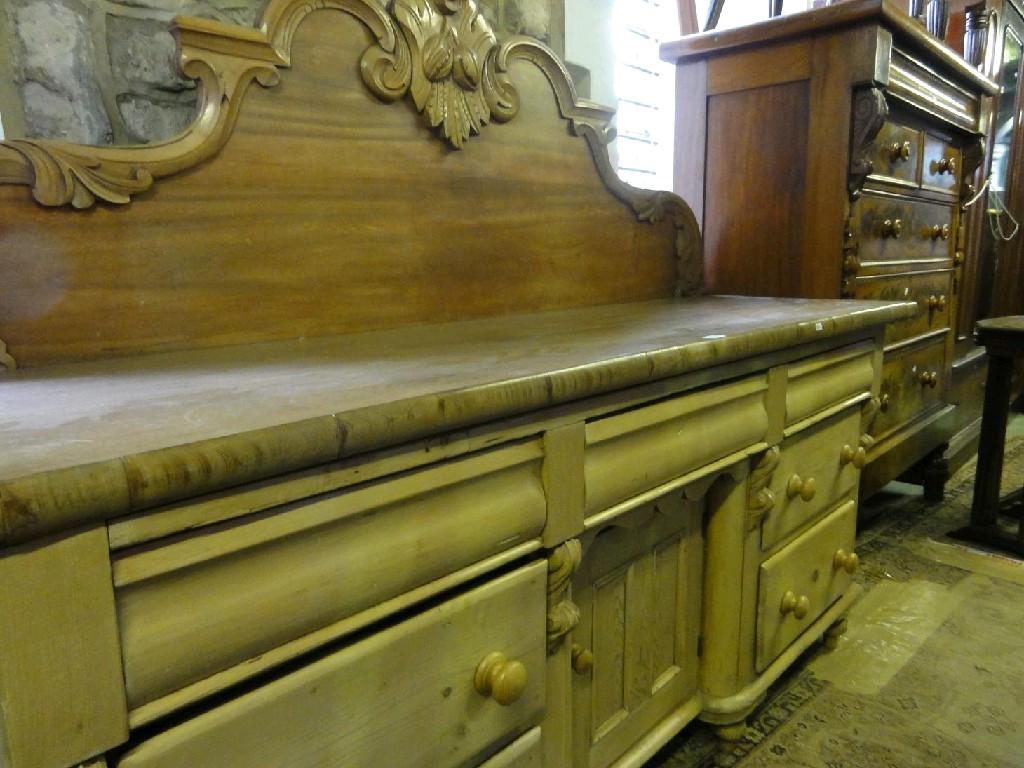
<point>869,112</point>
<point>972,155</point>
<point>563,613</point>
<point>440,53</point>
<point>6,361</point>
<point>760,499</point>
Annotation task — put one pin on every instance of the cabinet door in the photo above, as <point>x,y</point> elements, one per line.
<point>638,589</point>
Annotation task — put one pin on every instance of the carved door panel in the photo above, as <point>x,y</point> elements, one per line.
<point>635,648</point>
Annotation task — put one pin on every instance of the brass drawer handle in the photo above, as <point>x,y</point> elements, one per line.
<point>937,303</point>
<point>805,489</point>
<point>582,660</point>
<point>928,379</point>
<point>798,606</point>
<point>899,151</point>
<point>845,561</point>
<point>858,457</point>
<point>892,228</point>
<point>946,165</point>
<point>940,232</point>
<point>501,679</point>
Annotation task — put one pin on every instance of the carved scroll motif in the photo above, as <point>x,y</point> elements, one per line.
<point>972,155</point>
<point>760,499</point>
<point>6,360</point>
<point>441,53</point>
<point>869,113</point>
<point>563,613</point>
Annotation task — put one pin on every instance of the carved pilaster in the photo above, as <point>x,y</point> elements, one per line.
<point>760,499</point>
<point>563,613</point>
<point>869,113</point>
<point>6,361</point>
<point>972,155</point>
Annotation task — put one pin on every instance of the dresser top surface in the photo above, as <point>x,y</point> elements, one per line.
<point>887,13</point>
<point>445,376</point>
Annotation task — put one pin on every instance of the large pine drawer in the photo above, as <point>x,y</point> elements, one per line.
<point>404,697</point>
<point>912,381</point>
<point>802,580</point>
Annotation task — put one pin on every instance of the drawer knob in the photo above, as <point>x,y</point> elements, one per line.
<point>501,679</point>
<point>798,606</point>
<point>899,151</point>
<point>958,258</point>
<point>856,456</point>
<point>804,488</point>
<point>892,228</point>
<point>845,561</point>
<point>929,379</point>
<point>883,403</point>
<point>582,660</point>
<point>937,303</point>
<point>946,165</point>
<point>940,231</point>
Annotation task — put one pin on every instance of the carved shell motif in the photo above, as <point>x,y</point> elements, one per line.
<point>445,58</point>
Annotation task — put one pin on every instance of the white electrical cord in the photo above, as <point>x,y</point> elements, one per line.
<point>996,212</point>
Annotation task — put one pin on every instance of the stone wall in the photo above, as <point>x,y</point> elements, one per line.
<point>105,71</point>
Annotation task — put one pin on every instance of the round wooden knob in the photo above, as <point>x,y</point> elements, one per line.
<point>946,165</point>
<point>804,488</point>
<point>858,457</point>
<point>929,379</point>
<point>501,679</point>
<point>939,232</point>
<point>892,228</point>
<point>582,660</point>
<point>958,258</point>
<point>845,561</point>
<point>798,606</point>
<point>899,151</point>
<point>883,403</point>
<point>940,305</point>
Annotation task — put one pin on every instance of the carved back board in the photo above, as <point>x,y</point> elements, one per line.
<point>361,165</point>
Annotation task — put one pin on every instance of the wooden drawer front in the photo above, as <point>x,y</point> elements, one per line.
<point>402,697</point>
<point>897,154</point>
<point>638,588</point>
<point>820,382</point>
<point>906,390</point>
<point>801,581</point>
<point>812,462</point>
<point>231,595</point>
<point>635,451</point>
<point>941,168</point>
<point>525,752</point>
<point>925,230</point>
<point>931,290</point>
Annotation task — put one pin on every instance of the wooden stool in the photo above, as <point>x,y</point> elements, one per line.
<point>1003,339</point>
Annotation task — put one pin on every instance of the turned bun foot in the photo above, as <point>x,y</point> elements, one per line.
<point>833,633</point>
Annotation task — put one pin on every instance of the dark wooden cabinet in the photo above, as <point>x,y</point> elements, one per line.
<point>828,154</point>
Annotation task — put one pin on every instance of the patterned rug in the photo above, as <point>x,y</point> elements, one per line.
<point>931,671</point>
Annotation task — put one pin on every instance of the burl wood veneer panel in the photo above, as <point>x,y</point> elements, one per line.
<point>328,212</point>
<point>756,252</point>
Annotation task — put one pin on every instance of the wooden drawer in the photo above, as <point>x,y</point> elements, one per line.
<point>816,468</point>
<point>258,590</point>
<point>894,229</point>
<point>906,389</point>
<point>632,452</point>
<point>405,696</point>
<point>931,290</point>
<point>802,580</point>
<point>941,168</point>
<point>826,380</point>
<point>525,752</point>
<point>896,155</point>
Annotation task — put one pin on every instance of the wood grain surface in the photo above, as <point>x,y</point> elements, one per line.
<point>132,433</point>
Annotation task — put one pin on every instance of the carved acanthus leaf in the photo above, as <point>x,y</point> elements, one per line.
<point>760,499</point>
<point>869,113</point>
<point>563,614</point>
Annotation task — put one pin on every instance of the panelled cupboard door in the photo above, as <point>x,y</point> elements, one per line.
<point>638,589</point>
<point>408,696</point>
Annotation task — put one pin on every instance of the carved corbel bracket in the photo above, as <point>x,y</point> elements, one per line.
<point>563,613</point>
<point>972,155</point>
<point>6,360</point>
<point>760,499</point>
<point>869,113</point>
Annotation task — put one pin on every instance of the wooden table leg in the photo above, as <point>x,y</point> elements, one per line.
<point>985,507</point>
